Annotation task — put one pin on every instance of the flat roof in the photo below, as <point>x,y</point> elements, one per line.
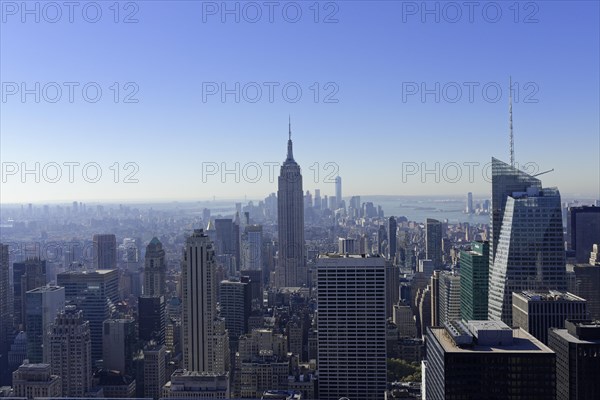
<point>549,295</point>
<point>522,342</point>
<point>564,334</point>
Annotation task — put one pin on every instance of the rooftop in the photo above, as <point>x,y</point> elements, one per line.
<point>551,295</point>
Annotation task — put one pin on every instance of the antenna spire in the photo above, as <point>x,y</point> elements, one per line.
<point>290,126</point>
<point>510,124</point>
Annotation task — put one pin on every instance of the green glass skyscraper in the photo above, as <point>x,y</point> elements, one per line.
<point>474,274</point>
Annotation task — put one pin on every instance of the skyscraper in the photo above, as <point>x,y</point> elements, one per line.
<point>155,269</point>
<point>5,320</point>
<point>36,380</point>
<point>155,371</point>
<point>95,293</point>
<point>584,231</point>
<point>536,312</point>
<point>486,360</point>
<point>351,318</point>
<point>469,207</point>
<point>433,241</point>
<point>70,352</point>
<point>338,191</point>
<point>105,251</point>
<point>27,275</point>
<point>252,248</point>
<point>41,307</point>
<point>474,274</point>
<point>118,341</point>
<point>392,242</point>
<point>529,252</point>
<point>152,318</point>
<point>290,220</point>
<point>236,303</point>
<point>577,359</point>
<point>198,302</point>
<point>448,297</point>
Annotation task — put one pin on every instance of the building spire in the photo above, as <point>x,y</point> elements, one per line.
<point>510,124</point>
<point>290,153</point>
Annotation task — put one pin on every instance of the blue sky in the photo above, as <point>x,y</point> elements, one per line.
<point>368,61</point>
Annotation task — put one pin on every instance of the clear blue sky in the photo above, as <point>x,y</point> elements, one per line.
<point>371,55</point>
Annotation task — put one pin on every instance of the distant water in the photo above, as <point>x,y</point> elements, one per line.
<point>420,208</point>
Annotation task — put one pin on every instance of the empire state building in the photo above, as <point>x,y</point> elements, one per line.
<point>290,216</point>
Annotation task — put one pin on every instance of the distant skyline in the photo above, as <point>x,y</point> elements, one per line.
<point>370,61</point>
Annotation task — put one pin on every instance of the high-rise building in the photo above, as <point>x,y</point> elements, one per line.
<point>36,380</point>
<point>155,371</point>
<point>392,241</point>
<point>252,248</point>
<point>236,304</point>
<point>291,270</point>
<point>41,307</point>
<point>338,191</point>
<point>70,351</point>
<point>486,360</point>
<point>536,312</point>
<point>433,241</point>
<point>404,320</point>
<point>194,384</point>
<point>27,275</point>
<point>198,302</point>
<point>95,293</point>
<point>469,208</point>
<point>118,341</point>
<point>584,231</point>
<point>392,287</point>
<point>104,251</point>
<point>224,243</point>
<point>587,282</point>
<point>347,246</point>
<point>529,252</point>
<point>474,274</point>
<point>155,269</point>
<point>5,312</point>
<point>577,350</point>
<point>352,327</point>
<point>448,297</point>
<point>152,318</point>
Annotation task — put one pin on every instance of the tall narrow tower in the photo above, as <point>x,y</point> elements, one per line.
<point>155,269</point>
<point>290,217</point>
<point>199,302</point>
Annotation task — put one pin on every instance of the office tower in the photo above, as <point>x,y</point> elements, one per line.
<point>262,363</point>
<point>205,216</point>
<point>448,297</point>
<point>114,384</point>
<point>27,275</point>
<point>584,231</point>
<point>290,223</point>
<point>236,238</point>
<point>352,327</point>
<point>587,282</point>
<point>392,241</point>
<point>70,351</point>
<point>198,302</point>
<point>5,313</point>
<point>536,312</point>
<point>338,191</point>
<point>252,248</point>
<point>17,353</point>
<point>221,349</point>
<point>381,238</point>
<point>469,209</point>
<point>423,309</point>
<point>530,250</point>
<point>118,341</point>
<point>104,251</point>
<point>474,274</point>
<point>347,246</point>
<point>95,293</point>
<point>254,279</point>
<point>236,304</point>
<point>41,307</point>
<point>433,241</point>
<point>577,350</point>
<point>392,287</point>
<point>434,286</point>
<point>36,380</point>
<point>224,243</point>
<point>317,199</point>
<point>404,320</point>
<point>152,318</point>
<point>155,371</point>
<point>155,269</point>
<point>487,360</point>
<point>192,384</point>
